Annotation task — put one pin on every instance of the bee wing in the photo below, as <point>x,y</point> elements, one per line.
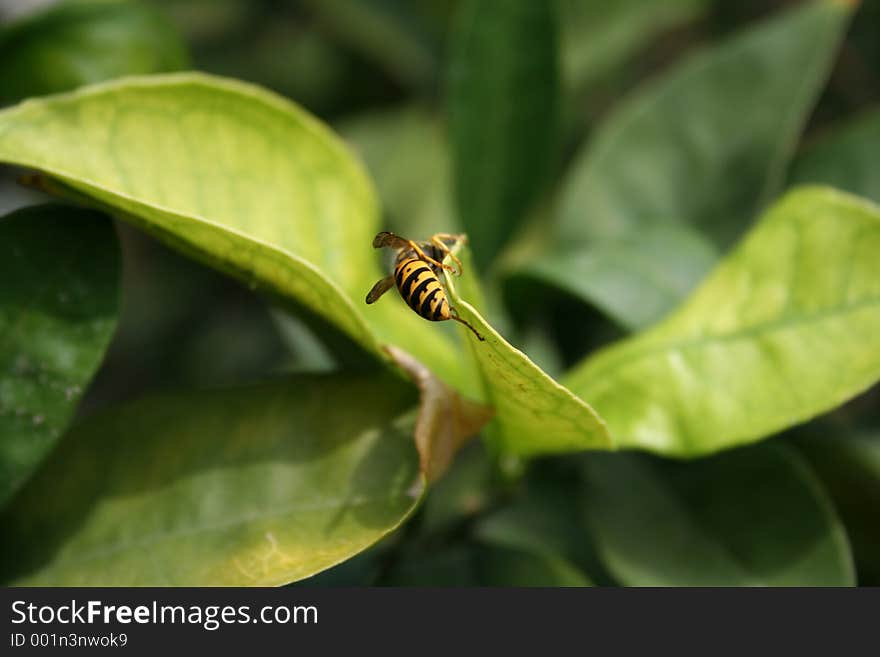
<point>389,239</point>
<point>380,288</point>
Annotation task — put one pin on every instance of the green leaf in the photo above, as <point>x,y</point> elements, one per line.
<point>785,328</point>
<point>752,517</point>
<point>466,491</point>
<point>391,33</point>
<point>503,97</point>
<point>76,43</point>
<point>849,466</point>
<point>58,309</point>
<point>597,36</point>
<point>707,144</point>
<point>703,147</point>
<point>479,564</point>
<point>634,281</point>
<point>406,154</point>
<point>405,151</point>
<point>546,522</point>
<point>506,566</point>
<point>846,158</point>
<point>241,179</point>
<point>533,413</point>
<point>448,566</point>
<point>251,486</point>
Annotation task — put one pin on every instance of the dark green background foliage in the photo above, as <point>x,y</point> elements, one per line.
<point>674,258</point>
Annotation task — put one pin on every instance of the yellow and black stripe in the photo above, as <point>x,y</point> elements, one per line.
<point>421,289</point>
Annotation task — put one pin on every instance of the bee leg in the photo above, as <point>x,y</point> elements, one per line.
<point>454,314</point>
<point>437,240</point>
<point>452,237</point>
<point>424,256</point>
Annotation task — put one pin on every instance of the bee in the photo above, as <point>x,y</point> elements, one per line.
<point>415,274</point>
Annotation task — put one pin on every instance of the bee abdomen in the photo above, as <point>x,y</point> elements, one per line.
<point>421,289</point>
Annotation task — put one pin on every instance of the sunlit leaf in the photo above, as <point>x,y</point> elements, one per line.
<point>75,43</point>
<point>249,486</point>
<point>503,97</point>
<point>236,177</point>
<point>59,298</point>
<point>785,328</point>
<point>533,413</point>
<point>751,517</point>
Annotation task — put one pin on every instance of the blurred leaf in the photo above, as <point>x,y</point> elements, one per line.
<point>406,154</point>
<point>785,328</point>
<point>247,486</point>
<point>284,55</point>
<point>534,522</point>
<point>203,21</point>
<point>388,31</point>
<point>533,413</point>
<point>449,566</point>
<point>478,564</point>
<point>58,308</point>
<point>76,43</point>
<point>634,281</point>
<point>182,325</point>
<point>846,158</point>
<point>704,146</point>
<point>707,143</point>
<point>545,519</point>
<point>596,36</point>
<point>750,517</point>
<point>236,177</point>
<point>503,98</point>
<point>311,354</point>
<point>506,566</point>
<point>850,468</point>
<point>463,493</point>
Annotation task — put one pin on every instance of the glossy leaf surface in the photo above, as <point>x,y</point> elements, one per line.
<point>249,486</point>
<point>237,177</point>
<point>751,517</point>
<point>59,301</point>
<point>785,328</point>
<point>695,153</point>
<point>503,97</point>
<point>533,413</point>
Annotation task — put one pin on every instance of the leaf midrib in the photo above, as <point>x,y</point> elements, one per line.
<point>741,334</point>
